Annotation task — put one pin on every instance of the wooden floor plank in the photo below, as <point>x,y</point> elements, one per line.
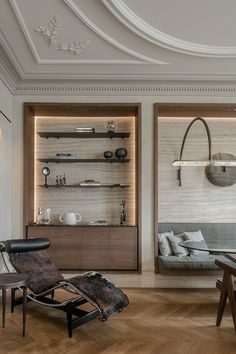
<point>163,321</point>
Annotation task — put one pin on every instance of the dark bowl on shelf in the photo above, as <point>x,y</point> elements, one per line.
<point>108,154</point>
<point>121,153</point>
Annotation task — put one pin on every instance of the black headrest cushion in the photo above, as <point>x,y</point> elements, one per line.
<point>25,245</point>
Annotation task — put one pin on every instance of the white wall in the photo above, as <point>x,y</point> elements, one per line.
<point>147,155</point>
<point>5,164</point>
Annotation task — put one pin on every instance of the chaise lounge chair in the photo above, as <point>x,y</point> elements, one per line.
<point>30,257</point>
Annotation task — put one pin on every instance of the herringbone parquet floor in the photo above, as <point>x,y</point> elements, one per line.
<point>156,322</point>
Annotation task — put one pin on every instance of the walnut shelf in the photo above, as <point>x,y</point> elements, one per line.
<point>83,160</point>
<point>88,186</point>
<point>85,135</point>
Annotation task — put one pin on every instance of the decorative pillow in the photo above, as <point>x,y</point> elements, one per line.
<point>163,243</point>
<point>174,242</point>
<point>195,236</point>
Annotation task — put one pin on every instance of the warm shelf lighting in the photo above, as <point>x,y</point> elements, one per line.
<point>214,163</point>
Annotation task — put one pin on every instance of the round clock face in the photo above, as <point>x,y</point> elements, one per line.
<point>46,171</point>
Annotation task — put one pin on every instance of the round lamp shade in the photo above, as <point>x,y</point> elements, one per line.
<point>222,176</point>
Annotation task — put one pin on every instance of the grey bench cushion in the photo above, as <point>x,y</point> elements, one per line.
<point>210,231</point>
<point>201,262</point>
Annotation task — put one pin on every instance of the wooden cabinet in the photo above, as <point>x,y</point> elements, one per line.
<point>90,247</point>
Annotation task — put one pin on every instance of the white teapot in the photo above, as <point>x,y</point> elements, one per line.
<point>70,218</point>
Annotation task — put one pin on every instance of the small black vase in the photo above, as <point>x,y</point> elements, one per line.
<point>108,154</point>
<point>121,153</point>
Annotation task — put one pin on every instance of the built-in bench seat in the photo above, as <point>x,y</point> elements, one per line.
<point>201,263</point>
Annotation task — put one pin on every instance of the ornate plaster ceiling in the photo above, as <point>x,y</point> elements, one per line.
<point>81,40</point>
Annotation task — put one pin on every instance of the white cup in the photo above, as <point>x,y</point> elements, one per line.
<point>70,218</point>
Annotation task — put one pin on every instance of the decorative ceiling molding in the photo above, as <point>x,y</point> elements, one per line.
<point>9,53</point>
<point>129,89</point>
<point>71,4</point>
<point>50,31</point>
<point>140,59</point>
<point>24,29</point>
<point>125,15</point>
<point>6,78</point>
<point>75,48</point>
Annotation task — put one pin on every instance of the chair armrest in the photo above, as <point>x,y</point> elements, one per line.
<point>230,268</point>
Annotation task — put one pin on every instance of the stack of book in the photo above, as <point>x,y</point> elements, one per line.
<point>65,156</point>
<point>90,182</point>
<point>98,222</point>
<point>85,130</point>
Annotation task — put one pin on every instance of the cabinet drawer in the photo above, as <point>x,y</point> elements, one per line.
<point>90,248</point>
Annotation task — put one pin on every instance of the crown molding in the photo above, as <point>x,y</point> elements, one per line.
<point>6,78</point>
<point>23,26</point>
<point>8,74</point>
<point>6,51</point>
<point>145,89</point>
<point>126,16</point>
<point>79,13</point>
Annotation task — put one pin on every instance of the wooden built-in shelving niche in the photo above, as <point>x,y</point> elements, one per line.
<point>49,130</point>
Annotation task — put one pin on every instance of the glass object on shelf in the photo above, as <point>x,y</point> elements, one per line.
<point>39,216</point>
<point>46,216</point>
<point>111,126</point>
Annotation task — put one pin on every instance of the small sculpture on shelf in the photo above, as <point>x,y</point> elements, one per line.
<point>46,173</point>
<point>111,126</point>
<point>61,181</point>
<point>121,153</point>
<point>108,154</point>
<point>122,213</point>
<point>64,180</point>
<point>57,182</point>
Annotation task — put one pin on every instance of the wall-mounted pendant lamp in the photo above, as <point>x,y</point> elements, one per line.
<point>216,171</point>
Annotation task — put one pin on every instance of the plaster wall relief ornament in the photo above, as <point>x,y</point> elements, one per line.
<point>75,48</point>
<point>50,31</point>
